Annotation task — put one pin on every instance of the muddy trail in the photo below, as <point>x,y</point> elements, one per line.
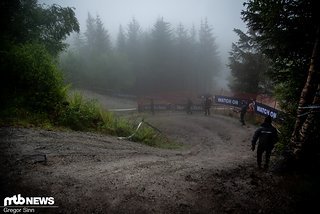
<point>214,171</point>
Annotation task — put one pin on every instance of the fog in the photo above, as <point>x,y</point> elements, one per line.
<point>222,15</point>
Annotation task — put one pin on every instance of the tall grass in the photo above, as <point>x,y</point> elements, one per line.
<point>80,114</point>
<point>87,115</point>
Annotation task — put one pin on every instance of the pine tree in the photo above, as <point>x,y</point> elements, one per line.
<point>121,40</point>
<point>185,55</point>
<point>133,41</point>
<point>98,39</point>
<point>161,57</point>
<point>90,33</point>
<point>208,58</point>
<point>248,66</point>
<point>133,50</point>
<point>102,38</point>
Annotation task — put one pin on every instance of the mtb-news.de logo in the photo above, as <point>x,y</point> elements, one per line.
<point>19,204</point>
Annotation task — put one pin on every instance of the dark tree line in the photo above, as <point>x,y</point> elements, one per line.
<point>164,59</point>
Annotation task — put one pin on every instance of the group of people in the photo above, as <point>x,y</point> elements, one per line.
<point>265,136</point>
<point>206,105</point>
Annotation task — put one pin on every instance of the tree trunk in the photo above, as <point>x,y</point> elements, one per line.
<point>309,122</point>
<point>303,126</point>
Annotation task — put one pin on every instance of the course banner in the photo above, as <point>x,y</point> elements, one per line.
<point>230,101</point>
<point>259,108</point>
<point>265,110</point>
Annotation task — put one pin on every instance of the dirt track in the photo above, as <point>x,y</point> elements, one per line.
<point>214,171</point>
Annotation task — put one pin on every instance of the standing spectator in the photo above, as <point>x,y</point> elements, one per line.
<point>207,106</point>
<point>189,106</point>
<point>243,112</point>
<point>268,136</point>
<point>152,107</point>
<point>252,106</point>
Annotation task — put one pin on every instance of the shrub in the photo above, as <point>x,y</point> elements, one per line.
<point>30,80</point>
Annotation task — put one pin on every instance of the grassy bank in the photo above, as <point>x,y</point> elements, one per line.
<point>81,114</point>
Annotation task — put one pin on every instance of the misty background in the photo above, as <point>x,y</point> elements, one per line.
<point>222,17</point>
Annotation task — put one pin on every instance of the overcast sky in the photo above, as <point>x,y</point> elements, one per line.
<point>222,15</point>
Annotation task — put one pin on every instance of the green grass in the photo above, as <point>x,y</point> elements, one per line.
<point>88,115</point>
<point>81,114</point>
<point>22,118</point>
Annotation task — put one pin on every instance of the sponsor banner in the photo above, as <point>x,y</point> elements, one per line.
<point>259,108</point>
<point>265,110</point>
<point>230,101</point>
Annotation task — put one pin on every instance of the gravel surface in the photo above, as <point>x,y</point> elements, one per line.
<point>213,172</point>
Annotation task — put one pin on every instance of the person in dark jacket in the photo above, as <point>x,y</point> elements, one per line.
<point>189,106</point>
<point>152,106</point>
<point>267,136</point>
<point>243,111</point>
<point>207,106</point>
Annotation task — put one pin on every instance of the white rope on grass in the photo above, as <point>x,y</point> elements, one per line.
<point>309,112</point>
<point>139,125</point>
<point>122,109</point>
<point>129,137</point>
<point>310,107</point>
